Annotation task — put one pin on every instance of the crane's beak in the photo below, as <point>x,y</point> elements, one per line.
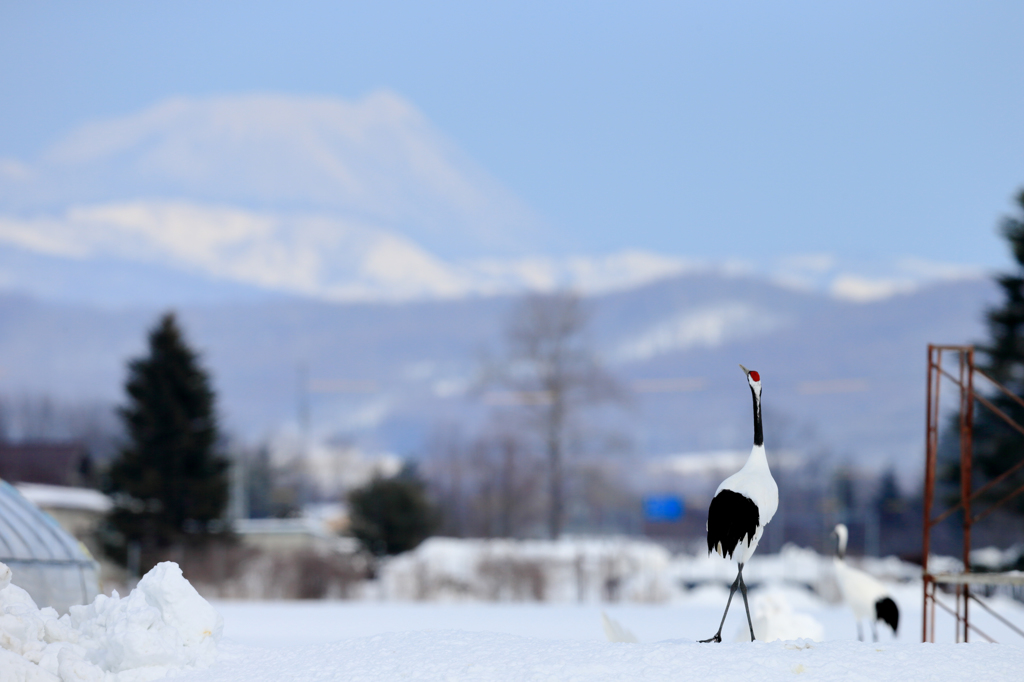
<point>745,370</point>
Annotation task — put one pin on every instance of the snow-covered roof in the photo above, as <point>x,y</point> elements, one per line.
<point>292,526</point>
<point>311,530</point>
<point>29,535</point>
<point>64,497</point>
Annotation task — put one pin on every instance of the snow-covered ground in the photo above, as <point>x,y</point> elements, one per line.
<point>523,641</point>
<point>445,639</point>
<point>499,657</point>
<point>291,624</point>
<point>455,636</point>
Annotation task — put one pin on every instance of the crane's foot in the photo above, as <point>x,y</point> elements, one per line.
<point>717,638</point>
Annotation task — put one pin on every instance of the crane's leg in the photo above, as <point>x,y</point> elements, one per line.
<point>874,631</point>
<point>743,591</point>
<point>718,635</point>
<point>860,632</point>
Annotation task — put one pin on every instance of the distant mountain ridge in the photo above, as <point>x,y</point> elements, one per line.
<point>838,375</point>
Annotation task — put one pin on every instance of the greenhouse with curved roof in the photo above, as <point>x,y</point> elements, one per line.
<point>47,562</point>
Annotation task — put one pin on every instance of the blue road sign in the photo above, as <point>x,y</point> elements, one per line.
<point>663,508</point>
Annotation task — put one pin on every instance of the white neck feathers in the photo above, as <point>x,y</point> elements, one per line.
<point>757,457</point>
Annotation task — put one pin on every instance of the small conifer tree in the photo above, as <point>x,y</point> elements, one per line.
<point>997,446</point>
<point>392,515</point>
<point>169,483</point>
<point>1005,350</point>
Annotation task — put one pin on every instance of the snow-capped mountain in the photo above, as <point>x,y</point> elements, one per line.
<point>318,197</point>
<point>241,197</point>
<point>376,162</point>
<point>310,255</point>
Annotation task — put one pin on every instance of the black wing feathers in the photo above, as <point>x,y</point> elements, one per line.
<point>885,610</point>
<point>731,517</point>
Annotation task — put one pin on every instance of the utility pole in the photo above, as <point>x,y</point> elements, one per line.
<point>303,402</point>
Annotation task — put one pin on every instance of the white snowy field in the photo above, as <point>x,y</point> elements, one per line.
<point>495,657</point>
<point>287,624</point>
<point>499,642</point>
<point>165,628</point>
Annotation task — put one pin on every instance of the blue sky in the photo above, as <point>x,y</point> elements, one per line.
<point>710,130</point>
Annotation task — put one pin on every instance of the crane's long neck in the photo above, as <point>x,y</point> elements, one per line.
<point>758,436</point>
<point>841,546</point>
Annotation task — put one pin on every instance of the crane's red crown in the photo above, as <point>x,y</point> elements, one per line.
<point>755,376</point>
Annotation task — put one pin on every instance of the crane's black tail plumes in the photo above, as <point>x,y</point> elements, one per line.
<point>887,612</point>
<point>731,518</point>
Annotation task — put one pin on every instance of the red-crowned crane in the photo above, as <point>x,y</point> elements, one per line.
<point>864,594</point>
<point>742,506</point>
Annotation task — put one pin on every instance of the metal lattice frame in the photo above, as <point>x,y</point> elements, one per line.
<point>963,379</point>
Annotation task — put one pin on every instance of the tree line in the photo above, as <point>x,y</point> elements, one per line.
<point>170,479</point>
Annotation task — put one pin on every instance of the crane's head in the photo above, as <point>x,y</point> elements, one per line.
<point>842,534</point>
<point>754,379</point>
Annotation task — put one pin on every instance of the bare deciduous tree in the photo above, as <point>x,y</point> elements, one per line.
<point>446,471</point>
<point>552,372</point>
<point>511,483</point>
<point>485,486</point>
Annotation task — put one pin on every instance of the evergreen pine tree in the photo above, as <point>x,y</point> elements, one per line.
<point>1005,350</point>
<point>392,515</point>
<point>168,482</point>
<point>997,446</point>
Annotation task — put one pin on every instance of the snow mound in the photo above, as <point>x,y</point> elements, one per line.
<point>614,631</point>
<point>774,619</point>
<point>162,626</point>
<point>572,569</point>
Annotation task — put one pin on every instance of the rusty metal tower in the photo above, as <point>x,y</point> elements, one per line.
<point>962,372</point>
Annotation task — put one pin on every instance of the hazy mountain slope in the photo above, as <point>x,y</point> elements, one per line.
<point>115,283</point>
<point>385,374</point>
<point>848,376</point>
<point>145,251</point>
<point>376,160</point>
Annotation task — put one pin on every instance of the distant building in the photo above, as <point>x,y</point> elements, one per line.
<point>79,511</point>
<point>287,536</point>
<point>55,476</point>
<point>46,462</point>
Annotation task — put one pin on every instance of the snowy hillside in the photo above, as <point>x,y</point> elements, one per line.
<point>384,375</point>
<point>95,251</point>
